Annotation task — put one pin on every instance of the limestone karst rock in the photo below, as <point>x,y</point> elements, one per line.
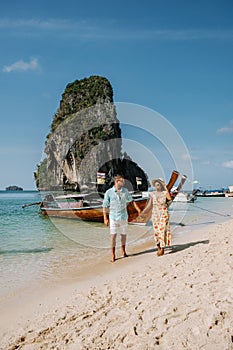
<point>85,139</point>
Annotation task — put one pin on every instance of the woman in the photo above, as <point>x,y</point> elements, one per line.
<point>160,215</point>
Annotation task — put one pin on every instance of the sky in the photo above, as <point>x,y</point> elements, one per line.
<point>173,57</point>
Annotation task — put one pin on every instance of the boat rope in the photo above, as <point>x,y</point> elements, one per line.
<point>212,212</point>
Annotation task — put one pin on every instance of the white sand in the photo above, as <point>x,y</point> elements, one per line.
<point>182,300</point>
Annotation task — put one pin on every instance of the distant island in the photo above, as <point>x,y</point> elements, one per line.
<point>14,188</point>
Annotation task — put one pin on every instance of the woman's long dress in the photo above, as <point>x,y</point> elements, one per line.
<point>160,219</point>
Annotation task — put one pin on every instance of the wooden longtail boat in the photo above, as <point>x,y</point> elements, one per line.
<point>88,207</point>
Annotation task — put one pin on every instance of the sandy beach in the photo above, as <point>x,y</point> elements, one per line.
<point>182,300</point>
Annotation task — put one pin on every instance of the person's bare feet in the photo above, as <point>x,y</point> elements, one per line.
<point>113,259</point>
<point>160,251</point>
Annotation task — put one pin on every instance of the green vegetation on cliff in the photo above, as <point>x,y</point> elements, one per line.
<point>82,94</point>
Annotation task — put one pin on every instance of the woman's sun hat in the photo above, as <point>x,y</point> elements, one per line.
<point>159,181</point>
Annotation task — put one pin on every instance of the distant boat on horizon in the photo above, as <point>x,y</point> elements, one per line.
<point>210,193</point>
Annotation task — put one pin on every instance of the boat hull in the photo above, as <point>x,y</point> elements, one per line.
<point>211,195</point>
<point>90,213</point>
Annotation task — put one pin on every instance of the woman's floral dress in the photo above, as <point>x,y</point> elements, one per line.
<point>160,219</point>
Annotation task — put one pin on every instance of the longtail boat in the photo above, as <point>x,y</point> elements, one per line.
<point>89,207</point>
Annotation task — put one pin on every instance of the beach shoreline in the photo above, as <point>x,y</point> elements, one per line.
<point>138,302</point>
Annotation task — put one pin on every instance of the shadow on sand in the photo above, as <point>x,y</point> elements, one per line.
<point>152,250</point>
<point>172,249</point>
<point>179,247</point>
<point>193,224</point>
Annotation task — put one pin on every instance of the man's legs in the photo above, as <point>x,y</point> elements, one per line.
<point>113,246</point>
<point>113,234</point>
<point>124,225</point>
<point>118,227</point>
<point>123,244</point>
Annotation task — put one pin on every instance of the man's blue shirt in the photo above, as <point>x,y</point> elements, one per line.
<point>117,204</point>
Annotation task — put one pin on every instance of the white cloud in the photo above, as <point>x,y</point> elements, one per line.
<point>109,29</point>
<point>206,162</point>
<point>34,23</point>
<point>195,158</point>
<point>187,157</point>
<point>228,164</point>
<point>22,66</point>
<point>226,129</point>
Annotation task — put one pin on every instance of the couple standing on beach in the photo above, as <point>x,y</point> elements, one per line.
<point>117,198</point>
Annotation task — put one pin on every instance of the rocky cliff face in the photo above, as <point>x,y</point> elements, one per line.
<point>85,139</point>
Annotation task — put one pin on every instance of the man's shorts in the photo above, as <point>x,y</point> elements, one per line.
<point>118,226</point>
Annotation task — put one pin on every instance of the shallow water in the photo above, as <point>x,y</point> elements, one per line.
<point>35,249</point>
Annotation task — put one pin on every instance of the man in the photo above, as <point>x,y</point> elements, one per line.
<point>116,199</point>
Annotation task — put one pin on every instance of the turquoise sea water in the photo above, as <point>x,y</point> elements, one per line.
<point>35,249</point>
